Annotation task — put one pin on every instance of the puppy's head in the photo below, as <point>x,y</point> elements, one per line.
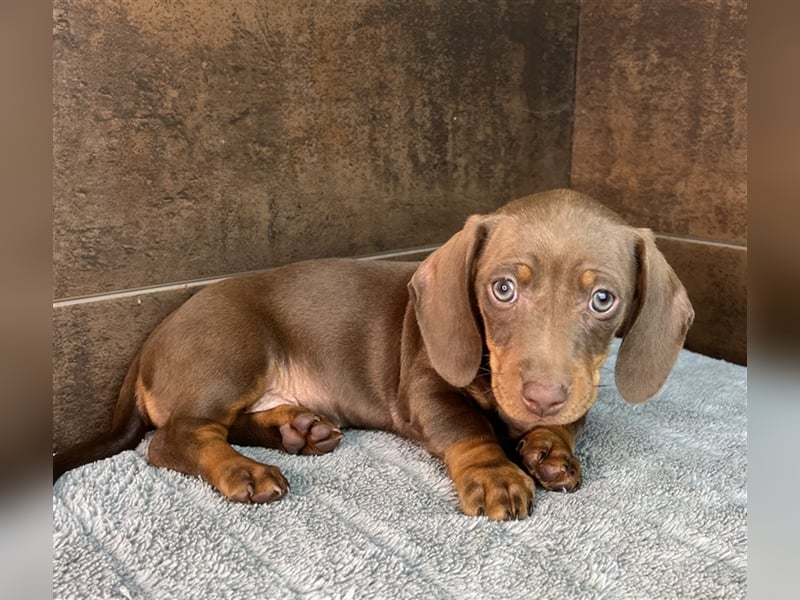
<point>544,284</point>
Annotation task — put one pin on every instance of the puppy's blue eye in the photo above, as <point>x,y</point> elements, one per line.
<point>602,301</point>
<point>504,290</point>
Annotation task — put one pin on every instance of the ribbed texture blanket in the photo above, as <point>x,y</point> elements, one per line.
<point>661,514</point>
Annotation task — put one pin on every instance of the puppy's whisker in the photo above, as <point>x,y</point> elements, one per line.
<point>486,371</point>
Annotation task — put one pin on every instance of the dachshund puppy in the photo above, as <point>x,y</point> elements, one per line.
<point>510,320</point>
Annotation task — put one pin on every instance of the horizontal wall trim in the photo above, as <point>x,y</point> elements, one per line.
<point>701,241</point>
<point>194,283</point>
<point>409,252</point>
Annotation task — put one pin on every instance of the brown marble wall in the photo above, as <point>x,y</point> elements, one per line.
<point>196,139</point>
<point>660,136</point>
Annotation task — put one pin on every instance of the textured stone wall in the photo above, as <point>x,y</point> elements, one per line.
<point>661,136</point>
<point>196,139</point>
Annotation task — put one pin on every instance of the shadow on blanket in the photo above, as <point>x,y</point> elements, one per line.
<point>661,514</point>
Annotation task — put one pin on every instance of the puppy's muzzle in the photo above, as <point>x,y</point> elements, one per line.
<point>544,399</point>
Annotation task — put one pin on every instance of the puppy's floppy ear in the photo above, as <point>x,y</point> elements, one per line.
<point>441,289</point>
<point>656,327</point>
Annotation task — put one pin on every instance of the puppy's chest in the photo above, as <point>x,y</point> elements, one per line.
<point>481,387</point>
<point>481,391</point>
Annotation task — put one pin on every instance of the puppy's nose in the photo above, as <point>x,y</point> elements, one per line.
<point>543,399</point>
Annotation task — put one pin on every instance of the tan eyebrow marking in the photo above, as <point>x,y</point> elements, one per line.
<point>524,274</point>
<point>588,278</point>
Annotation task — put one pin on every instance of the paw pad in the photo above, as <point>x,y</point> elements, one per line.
<point>308,433</point>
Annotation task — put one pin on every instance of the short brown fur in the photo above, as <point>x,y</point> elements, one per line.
<point>511,318</point>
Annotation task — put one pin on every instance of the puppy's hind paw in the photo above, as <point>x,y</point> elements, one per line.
<point>309,434</point>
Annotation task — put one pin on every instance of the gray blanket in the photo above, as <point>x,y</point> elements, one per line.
<point>661,514</point>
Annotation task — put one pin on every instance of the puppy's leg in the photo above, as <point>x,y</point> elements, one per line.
<point>487,482</point>
<point>290,428</point>
<point>197,446</point>
<point>548,453</point>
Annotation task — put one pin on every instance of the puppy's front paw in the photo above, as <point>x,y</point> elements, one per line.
<point>548,457</point>
<point>487,482</point>
<point>501,492</point>
<point>251,482</point>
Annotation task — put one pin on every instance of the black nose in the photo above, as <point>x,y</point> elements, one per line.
<point>543,399</point>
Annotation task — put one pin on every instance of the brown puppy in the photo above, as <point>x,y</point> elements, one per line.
<point>512,318</point>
